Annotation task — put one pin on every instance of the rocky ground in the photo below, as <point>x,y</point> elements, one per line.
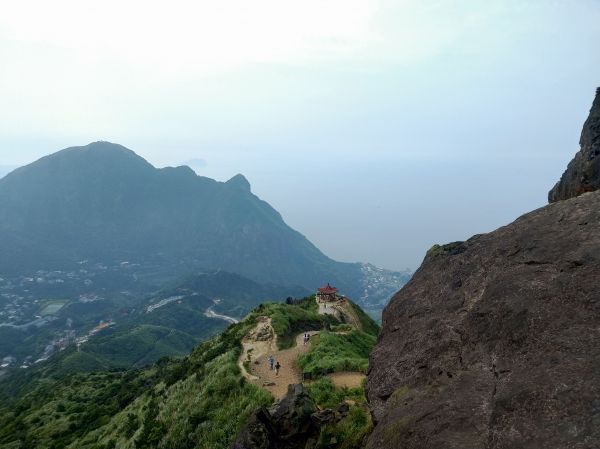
<point>294,422</point>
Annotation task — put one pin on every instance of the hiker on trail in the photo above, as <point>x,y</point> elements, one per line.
<point>271,362</point>
<point>277,368</point>
<point>305,338</point>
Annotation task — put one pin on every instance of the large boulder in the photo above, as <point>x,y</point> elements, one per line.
<point>494,341</point>
<point>583,173</point>
<point>289,424</point>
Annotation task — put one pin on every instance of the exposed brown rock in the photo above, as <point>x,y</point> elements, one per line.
<point>494,343</point>
<point>583,173</point>
<point>289,424</point>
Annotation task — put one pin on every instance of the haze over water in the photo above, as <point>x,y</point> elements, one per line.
<point>376,128</point>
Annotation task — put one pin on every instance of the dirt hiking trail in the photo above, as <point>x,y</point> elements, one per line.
<point>261,342</point>
<point>254,361</point>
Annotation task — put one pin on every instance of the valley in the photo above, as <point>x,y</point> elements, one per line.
<point>97,314</point>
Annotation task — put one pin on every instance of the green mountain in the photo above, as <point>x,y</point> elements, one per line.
<point>104,204</point>
<point>199,401</point>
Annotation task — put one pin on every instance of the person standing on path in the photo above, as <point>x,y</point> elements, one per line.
<point>277,368</point>
<point>271,362</point>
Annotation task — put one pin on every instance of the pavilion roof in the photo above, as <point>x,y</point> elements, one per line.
<point>328,289</point>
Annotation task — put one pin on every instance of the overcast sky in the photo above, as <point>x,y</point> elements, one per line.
<point>377,128</point>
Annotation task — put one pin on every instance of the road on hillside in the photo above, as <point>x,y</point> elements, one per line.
<point>210,313</point>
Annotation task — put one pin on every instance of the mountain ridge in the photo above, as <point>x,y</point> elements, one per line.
<point>103,201</point>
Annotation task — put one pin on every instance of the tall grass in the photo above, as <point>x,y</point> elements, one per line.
<point>290,320</point>
<point>338,352</point>
<point>326,395</point>
<point>350,432</point>
<point>367,323</point>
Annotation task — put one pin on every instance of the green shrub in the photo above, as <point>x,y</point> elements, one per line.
<point>326,395</point>
<point>367,323</point>
<point>290,320</point>
<point>350,432</point>
<point>338,352</point>
<point>342,328</point>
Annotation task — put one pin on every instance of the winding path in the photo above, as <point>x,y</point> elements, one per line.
<point>290,372</point>
<point>254,361</point>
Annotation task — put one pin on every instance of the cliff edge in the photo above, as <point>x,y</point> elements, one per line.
<point>583,172</point>
<point>494,341</point>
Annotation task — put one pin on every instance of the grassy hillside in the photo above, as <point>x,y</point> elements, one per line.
<point>289,320</point>
<point>332,352</point>
<point>236,294</point>
<point>342,348</point>
<point>175,400</point>
<point>196,402</point>
<point>146,328</point>
<point>139,346</point>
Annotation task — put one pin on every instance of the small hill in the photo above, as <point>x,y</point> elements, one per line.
<point>235,295</point>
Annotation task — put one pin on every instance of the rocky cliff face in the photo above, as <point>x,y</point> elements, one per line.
<point>494,341</point>
<point>583,173</point>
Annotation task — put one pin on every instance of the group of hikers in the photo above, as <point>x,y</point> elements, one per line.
<point>306,338</point>
<point>274,365</point>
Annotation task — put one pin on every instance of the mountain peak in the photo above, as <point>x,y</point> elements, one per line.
<point>583,172</point>
<point>102,148</point>
<point>240,181</point>
<point>105,145</point>
<point>94,159</point>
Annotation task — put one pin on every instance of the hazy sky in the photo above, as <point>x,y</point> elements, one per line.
<point>377,128</point>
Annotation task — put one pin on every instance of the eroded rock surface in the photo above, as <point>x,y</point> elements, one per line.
<point>494,343</point>
<point>583,173</point>
<point>286,425</point>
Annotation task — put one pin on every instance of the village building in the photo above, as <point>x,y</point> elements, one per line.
<point>327,293</point>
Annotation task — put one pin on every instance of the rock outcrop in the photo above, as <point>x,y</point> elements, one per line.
<point>583,173</point>
<point>294,422</point>
<point>494,341</point>
<point>286,425</point>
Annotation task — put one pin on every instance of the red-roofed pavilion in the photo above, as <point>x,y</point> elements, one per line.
<point>327,293</point>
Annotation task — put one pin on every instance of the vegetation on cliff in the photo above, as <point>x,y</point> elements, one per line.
<point>198,401</point>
